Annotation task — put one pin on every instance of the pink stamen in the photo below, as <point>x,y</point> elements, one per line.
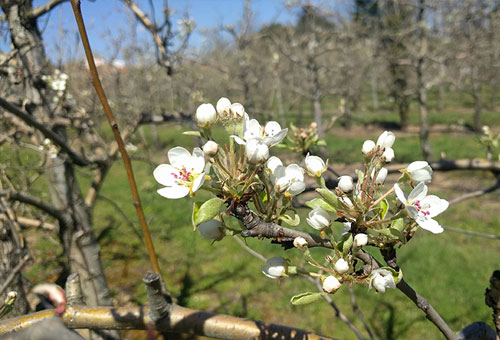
<point>174,174</point>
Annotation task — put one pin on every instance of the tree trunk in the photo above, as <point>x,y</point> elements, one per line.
<point>76,234</point>
<point>316,95</point>
<point>373,85</point>
<point>404,112</point>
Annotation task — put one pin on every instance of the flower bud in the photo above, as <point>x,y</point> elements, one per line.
<point>211,230</point>
<point>206,115</point>
<point>341,266</point>
<point>367,147</point>
<point>274,268</point>
<point>331,284</point>
<point>210,148</point>
<point>256,151</point>
<point>319,218</point>
<point>299,242</point>
<point>315,165</point>
<point>386,139</point>
<point>237,110</point>
<point>346,183</point>
<point>381,176</point>
<point>420,171</point>
<point>381,279</point>
<point>223,106</point>
<point>360,240</point>
<point>314,125</point>
<point>388,154</point>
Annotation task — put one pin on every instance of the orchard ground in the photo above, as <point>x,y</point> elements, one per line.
<point>450,269</point>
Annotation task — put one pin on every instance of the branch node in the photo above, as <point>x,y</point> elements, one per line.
<point>160,304</point>
<point>74,295</point>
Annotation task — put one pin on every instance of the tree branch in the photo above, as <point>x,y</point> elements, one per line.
<point>41,10</point>
<point>34,201</point>
<point>30,120</point>
<point>476,193</point>
<point>492,297</point>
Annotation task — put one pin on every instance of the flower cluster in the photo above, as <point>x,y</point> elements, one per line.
<point>57,82</point>
<point>241,173</point>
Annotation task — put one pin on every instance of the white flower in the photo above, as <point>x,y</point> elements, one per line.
<point>319,218</point>
<point>331,284</point>
<point>388,154</point>
<point>206,115</point>
<point>346,183</point>
<point>299,242</point>
<point>360,240</point>
<point>422,208</point>
<point>367,147</point>
<point>381,279</point>
<point>210,148</point>
<point>289,179</point>
<point>184,175</point>
<point>270,135</point>
<point>223,106</point>
<point>256,151</point>
<point>381,176</point>
<point>274,268</point>
<point>341,266</point>
<point>315,165</point>
<point>130,147</point>
<point>420,171</point>
<point>211,230</point>
<point>238,110</point>
<point>386,139</point>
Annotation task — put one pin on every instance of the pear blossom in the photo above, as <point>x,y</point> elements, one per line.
<point>381,279</point>
<point>419,171</point>
<point>210,148</point>
<point>256,151</point>
<point>211,230</point>
<point>206,115</point>
<point>386,139</point>
<point>360,240</point>
<point>274,268</point>
<point>184,175</point>
<point>381,176</point>
<point>422,208</point>
<point>238,110</point>
<point>315,165</point>
<point>388,154</point>
<point>289,180</point>
<point>331,284</point>
<point>346,184</point>
<point>341,266</point>
<point>270,135</point>
<point>299,242</point>
<point>223,106</point>
<point>319,218</point>
<point>367,147</point>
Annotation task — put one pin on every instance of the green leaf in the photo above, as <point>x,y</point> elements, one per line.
<point>192,133</point>
<point>288,220</point>
<point>321,142</point>
<point>398,224</point>
<point>347,244</point>
<point>207,211</point>
<point>329,197</point>
<point>397,233</point>
<point>196,208</point>
<point>319,202</point>
<point>305,298</point>
<point>384,205</point>
<point>384,233</point>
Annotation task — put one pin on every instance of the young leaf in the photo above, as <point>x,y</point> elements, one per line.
<point>305,298</point>
<point>384,205</point>
<point>196,208</point>
<point>288,220</point>
<point>319,202</point>
<point>192,133</point>
<point>329,197</point>
<point>207,211</point>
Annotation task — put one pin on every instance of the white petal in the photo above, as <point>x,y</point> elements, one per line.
<point>400,194</point>
<point>434,205</point>
<point>238,140</point>
<point>178,156</point>
<point>273,163</point>
<point>251,129</point>
<point>276,139</point>
<point>417,165</point>
<point>412,211</point>
<point>198,182</point>
<point>430,225</point>
<point>197,161</point>
<point>295,172</point>
<point>296,188</point>
<point>272,128</point>
<point>174,192</point>
<point>418,193</point>
<point>422,175</point>
<point>164,174</point>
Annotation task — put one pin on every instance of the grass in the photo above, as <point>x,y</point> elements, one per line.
<point>451,270</point>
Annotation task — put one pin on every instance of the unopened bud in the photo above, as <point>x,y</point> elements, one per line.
<point>206,115</point>
<point>388,155</point>
<point>360,240</point>
<point>299,242</point>
<point>341,266</point>
<point>346,183</point>
<point>331,284</point>
<point>210,148</point>
<point>368,146</point>
<point>223,106</point>
<point>211,230</point>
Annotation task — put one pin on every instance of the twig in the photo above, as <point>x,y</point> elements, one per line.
<point>114,126</point>
<point>179,320</point>
<point>13,273</point>
<point>476,193</point>
<point>249,250</point>
<point>48,133</point>
<point>474,233</point>
<point>31,222</point>
<point>34,201</point>
<point>41,10</point>
<point>356,310</point>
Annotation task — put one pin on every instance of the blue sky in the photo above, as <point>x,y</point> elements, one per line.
<point>107,19</point>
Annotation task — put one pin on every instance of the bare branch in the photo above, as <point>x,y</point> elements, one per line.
<point>48,133</point>
<point>179,320</point>
<point>14,272</point>
<point>31,222</point>
<point>473,233</point>
<point>41,10</point>
<point>476,193</point>
<point>34,201</point>
<point>357,311</point>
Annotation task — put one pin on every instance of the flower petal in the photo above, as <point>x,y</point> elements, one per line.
<point>164,174</point>
<point>400,194</point>
<point>251,129</point>
<point>238,140</point>
<point>295,172</point>
<point>434,205</point>
<point>417,165</point>
<point>430,225</point>
<point>418,193</point>
<point>174,192</point>
<point>296,188</point>
<point>197,161</point>
<point>272,128</point>
<point>279,173</point>
<point>178,157</point>
<point>198,182</point>
<point>273,163</point>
